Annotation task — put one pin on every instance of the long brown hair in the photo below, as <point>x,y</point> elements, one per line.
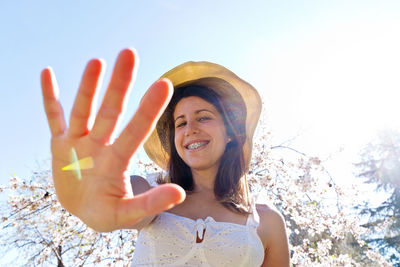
<point>230,187</point>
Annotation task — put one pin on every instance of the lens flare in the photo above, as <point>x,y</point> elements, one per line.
<point>78,165</point>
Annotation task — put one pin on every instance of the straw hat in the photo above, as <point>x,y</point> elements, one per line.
<point>238,97</point>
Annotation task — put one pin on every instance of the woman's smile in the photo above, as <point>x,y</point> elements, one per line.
<point>196,145</point>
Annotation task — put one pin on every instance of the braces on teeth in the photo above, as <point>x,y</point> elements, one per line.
<point>195,145</point>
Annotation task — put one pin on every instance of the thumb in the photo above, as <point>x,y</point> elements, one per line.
<point>151,202</point>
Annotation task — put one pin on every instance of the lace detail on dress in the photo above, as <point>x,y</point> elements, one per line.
<point>173,240</point>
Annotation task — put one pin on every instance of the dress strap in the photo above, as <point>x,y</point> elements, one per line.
<point>254,218</point>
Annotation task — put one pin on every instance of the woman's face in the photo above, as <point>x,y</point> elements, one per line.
<point>200,134</point>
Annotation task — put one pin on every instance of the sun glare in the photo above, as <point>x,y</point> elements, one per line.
<point>337,87</point>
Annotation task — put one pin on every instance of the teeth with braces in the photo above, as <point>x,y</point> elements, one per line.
<point>195,145</point>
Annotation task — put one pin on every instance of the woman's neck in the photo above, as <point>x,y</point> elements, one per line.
<point>204,180</point>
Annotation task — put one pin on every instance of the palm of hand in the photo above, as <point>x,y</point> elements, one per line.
<point>103,198</point>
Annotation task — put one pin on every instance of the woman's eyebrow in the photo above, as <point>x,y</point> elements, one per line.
<point>196,112</point>
<point>204,109</point>
<point>179,117</point>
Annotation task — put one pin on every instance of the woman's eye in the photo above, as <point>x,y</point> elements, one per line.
<point>204,118</point>
<point>180,124</point>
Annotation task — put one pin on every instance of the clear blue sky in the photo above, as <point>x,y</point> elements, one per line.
<point>326,67</point>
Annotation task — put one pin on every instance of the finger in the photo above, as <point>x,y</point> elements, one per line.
<point>52,107</point>
<point>113,103</point>
<point>151,202</point>
<point>83,108</point>
<point>143,122</point>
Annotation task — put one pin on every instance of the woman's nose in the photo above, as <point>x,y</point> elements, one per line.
<point>191,128</point>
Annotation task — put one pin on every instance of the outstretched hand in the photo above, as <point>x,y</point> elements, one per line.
<point>103,198</point>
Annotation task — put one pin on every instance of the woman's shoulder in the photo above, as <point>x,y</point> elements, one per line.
<point>268,213</point>
<point>139,184</point>
<point>272,231</point>
<point>272,227</point>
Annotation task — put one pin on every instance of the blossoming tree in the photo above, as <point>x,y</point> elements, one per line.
<point>322,227</point>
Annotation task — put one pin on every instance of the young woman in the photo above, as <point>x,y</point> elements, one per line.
<point>203,140</point>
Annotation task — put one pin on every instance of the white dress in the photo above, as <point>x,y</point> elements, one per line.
<point>172,240</point>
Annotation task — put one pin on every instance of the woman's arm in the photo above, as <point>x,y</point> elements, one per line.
<point>273,233</point>
<point>102,195</point>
